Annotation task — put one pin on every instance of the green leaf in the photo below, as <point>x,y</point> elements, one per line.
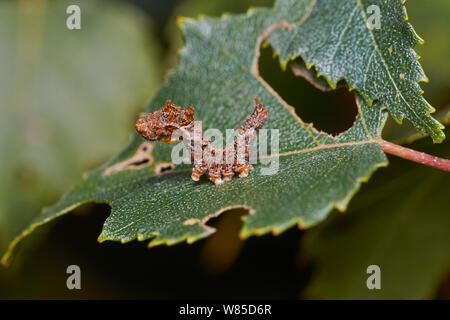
<point>400,224</point>
<point>379,63</point>
<point>218,75</point>
<point>194,8</point>
<point>66,98</point>
<point>407,134</point>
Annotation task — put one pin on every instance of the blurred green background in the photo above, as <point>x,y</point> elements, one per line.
<point>68,102</point>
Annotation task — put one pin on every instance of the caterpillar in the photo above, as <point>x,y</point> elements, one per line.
<point>172,123</point>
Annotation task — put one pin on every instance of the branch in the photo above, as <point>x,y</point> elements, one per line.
<point>416,156</point>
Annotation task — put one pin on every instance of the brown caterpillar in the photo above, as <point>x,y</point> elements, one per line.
<point>220,164</point>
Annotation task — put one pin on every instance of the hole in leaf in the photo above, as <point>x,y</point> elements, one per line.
<point>333,111</point>
<point>164,168</point>
<point>139,162</point>
<point>220,251</point>
<point>141,159</point>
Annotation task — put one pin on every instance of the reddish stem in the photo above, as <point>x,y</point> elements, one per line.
<point>416,156</point>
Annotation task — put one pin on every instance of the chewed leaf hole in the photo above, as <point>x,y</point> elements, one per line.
<point>222,249</point>
<point>164,168</point>
<point>206,223</point>
<point>141,159</point>
<point>141,162</point>
<point>331,111</point>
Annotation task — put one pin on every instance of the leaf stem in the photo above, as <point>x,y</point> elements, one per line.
<point>416,156</point>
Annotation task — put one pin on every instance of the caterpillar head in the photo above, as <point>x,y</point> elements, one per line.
<point>160,125</point>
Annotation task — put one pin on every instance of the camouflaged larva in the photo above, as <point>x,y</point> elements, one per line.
<point>220,164</point>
